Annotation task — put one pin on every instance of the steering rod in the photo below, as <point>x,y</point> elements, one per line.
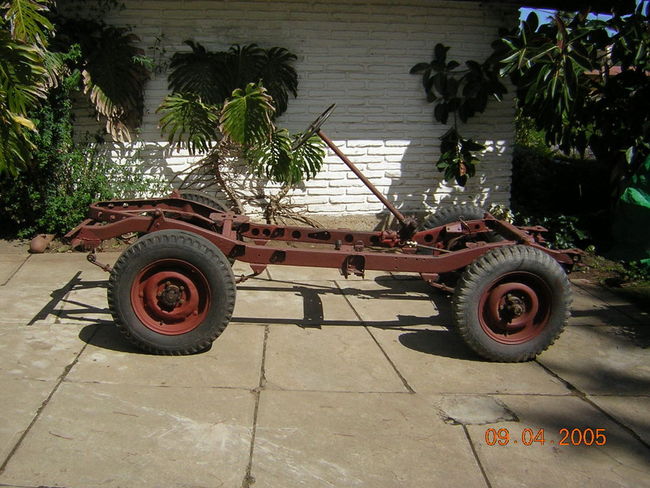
<point>398,215</point>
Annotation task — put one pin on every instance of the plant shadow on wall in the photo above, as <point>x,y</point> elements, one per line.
<point>458,93</point>
<point>223,106</point>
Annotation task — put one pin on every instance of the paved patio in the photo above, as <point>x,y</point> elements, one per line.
<point>317,382</point>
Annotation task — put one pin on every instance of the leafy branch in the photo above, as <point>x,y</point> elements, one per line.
<point>461,94</point>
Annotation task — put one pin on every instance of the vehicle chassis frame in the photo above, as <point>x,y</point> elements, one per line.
<point>350,251</point>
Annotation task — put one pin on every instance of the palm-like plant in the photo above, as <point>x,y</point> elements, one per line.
<point>112,69</point>
<point>23,36</point>
<point>245,88</point>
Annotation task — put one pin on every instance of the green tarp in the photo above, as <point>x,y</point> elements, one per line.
<point>632,219</point>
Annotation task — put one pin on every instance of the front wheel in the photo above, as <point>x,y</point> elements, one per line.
<point>172,292</point>
<point>512,303</point>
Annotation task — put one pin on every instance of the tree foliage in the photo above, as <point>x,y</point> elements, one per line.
<point>35,61</point>
<point>585,82</point>
<point>23,33</point>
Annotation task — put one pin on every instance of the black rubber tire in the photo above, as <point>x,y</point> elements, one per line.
<point>511,264</point>
<point>205,199</point>
<point>185,247</point>
<point>447,215</point>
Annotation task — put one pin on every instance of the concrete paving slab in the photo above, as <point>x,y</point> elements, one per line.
<point>600,361</point>
<point>14,246</point>
<point>399,303</point>
<point>621,462</point>
<point>9,264</point>
<point>306,273</point>
<point>306,303</point>
<point>630,411</point>
<point>29,303</point>
<point>474,410</point>
<point>85,303</point>
<point>234,361</point>
<point>613,301</point>
<point>590,310</point>
<point>435,360</point>
<point>19,402</point>
<point>328,359</point>
<point>240,268</point>
<point>38,352</point>
<point>56,270</point>
<point>347,440</point>
<point>115,436</point>
<point>602,294</point>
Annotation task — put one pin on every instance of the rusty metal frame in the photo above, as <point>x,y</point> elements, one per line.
<point>350,251</point>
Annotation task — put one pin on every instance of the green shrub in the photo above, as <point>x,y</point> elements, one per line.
<point>53,194</point>
<point>564,231</point>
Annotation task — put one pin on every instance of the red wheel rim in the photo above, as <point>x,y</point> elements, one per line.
<point>170,296</point>
<point>515,308</point>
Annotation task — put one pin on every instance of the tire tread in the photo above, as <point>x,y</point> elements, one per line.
<point>179,239</point>
<point>510,257</point>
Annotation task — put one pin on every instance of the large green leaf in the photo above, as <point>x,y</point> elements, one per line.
<point>27,22</point>
<point>272,157</point>
<point>21,89</point>
<point>275,159</point>
<point>188,122</point>
<point>16,146</point>
<point>246,118</point>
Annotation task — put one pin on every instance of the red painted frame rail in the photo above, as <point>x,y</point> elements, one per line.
<point>347,250</point>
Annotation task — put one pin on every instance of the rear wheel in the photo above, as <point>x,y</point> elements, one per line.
<point>512,303</point>
<point>448,215</point>
<point>205,199</point>
<point>172,292</point>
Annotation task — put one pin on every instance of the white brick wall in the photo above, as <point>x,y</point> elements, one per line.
<point>356,53</point>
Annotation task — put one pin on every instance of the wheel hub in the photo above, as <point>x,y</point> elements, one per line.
<point>514,309</point>
<point>514,306</point>
<point>170,296</point>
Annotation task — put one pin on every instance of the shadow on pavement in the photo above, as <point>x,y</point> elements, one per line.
<point>82,310</point>
<point>442,343</point>
<point>108,337</point>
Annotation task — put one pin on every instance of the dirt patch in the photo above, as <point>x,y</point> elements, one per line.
<point>614,277</point>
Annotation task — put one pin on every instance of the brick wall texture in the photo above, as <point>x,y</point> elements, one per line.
<point>357,54</point>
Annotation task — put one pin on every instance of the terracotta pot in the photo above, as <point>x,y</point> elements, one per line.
<point>40,243</point>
